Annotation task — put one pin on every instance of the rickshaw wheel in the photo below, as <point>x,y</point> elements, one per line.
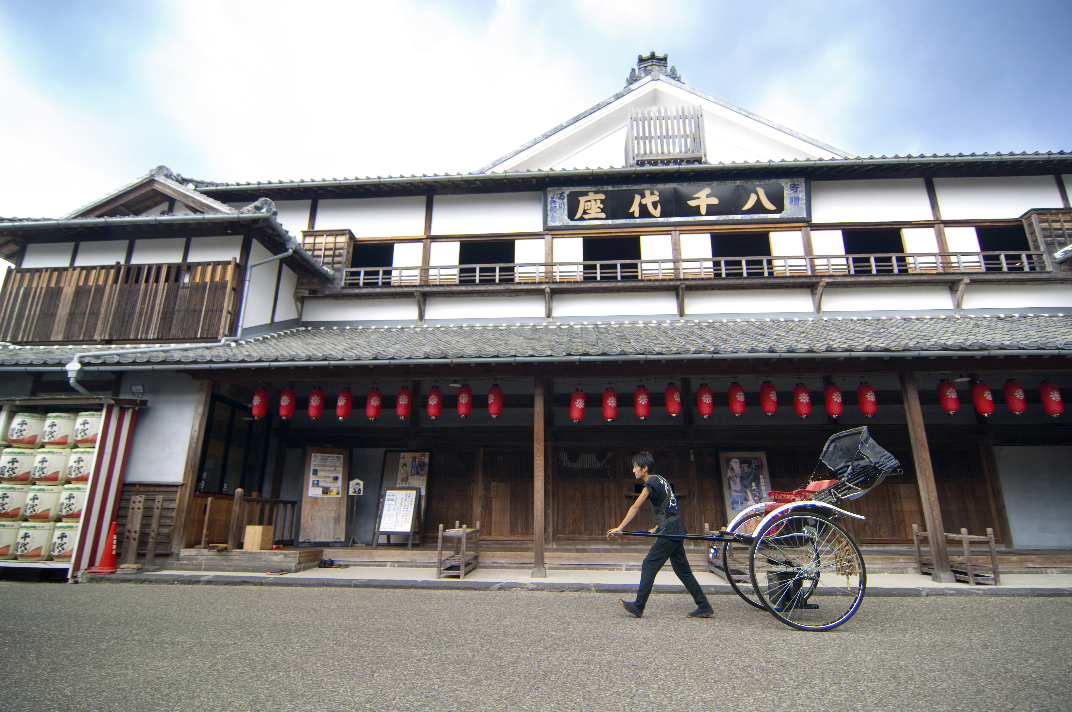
<point>807,571</point>
<point>736,556</point>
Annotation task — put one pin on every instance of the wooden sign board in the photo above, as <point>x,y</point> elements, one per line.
<point>399,514</point>
<point>323,513</point>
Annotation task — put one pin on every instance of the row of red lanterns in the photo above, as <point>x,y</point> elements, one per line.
<point>948,398</point>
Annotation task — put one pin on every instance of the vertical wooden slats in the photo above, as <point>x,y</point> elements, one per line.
<point>331,248</point>
<point>665,134</point>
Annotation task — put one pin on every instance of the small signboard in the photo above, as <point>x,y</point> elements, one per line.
<point>357,488</point>
<point>399,514</point>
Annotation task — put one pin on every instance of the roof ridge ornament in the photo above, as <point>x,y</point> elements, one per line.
<point>652,65</point>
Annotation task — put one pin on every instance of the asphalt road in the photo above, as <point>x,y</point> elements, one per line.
<point>138,647</point>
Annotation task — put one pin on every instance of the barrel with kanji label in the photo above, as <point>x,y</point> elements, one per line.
<point>16,466</point>
<point>9,534</point>
<point>80,465</point>
<point>34,541</point>
<point>50,466</point>
<point>43,503</point>
<point>25,429</point>
<point>86,428</point>
<point>72,499</point>
<point>58,430</point>
<point>64,537</point>
<point>13,502</point>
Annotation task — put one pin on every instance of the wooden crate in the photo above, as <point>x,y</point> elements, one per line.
<point>258,537</point>
<point>331,248</point>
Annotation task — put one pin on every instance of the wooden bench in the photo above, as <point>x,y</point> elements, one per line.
<point>462,561</point>
<point>966,568</point>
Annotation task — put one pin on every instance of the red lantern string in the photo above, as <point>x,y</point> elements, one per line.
<point>768,398</point>
<point>465,401</point>
<point>736,394</point>
<point>286,404</point>
<point>641,402</point>
<point>495,401</point>
<point>983,399</point>
<point>947,396</point>
<point>672,394</point>
<point>576,408</point>
<point>610,405</point>
<point>259,407</point>
<point>1014,397</point>
<point>435,402</point>
<point>373,403</point>
<point>402,403</point>
<point>802,400</point>
<point>316,403</point>
<point>705,401</point>
<point>1051,399</point>
<point>834,403</point>
<point>344,404</point>
<point>865,393</point>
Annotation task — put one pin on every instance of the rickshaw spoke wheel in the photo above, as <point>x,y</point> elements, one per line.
<point>807,571</point>
<point>735,561</point>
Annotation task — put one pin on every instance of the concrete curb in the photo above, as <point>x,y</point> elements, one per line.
<point>453,585</point>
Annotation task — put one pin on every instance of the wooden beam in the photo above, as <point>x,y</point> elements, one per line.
<point>539,569</point>
<point>1062,190</point>
<point>313,205</point>
<point>185,495</point>
<point>994,492</point>
<point>928,491</point>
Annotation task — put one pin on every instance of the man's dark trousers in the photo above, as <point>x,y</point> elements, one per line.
<point>673,549</point>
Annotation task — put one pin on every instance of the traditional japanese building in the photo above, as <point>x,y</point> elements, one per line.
<point>658,255</point>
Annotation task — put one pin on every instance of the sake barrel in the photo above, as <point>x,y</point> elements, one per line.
<point>64,538</point>
<point>50,466</point>
<point>9,534</point>
<point>86,428</point>
<point>34,542</point>
<point>72,499</point>
<point>16,466</point>
<point>13,502</point>
<point>80,465</point>
<point>58,430</point>
<point>43,503</point>
<point>25,429</point>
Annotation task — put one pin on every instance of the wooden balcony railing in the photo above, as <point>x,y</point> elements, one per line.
<point>120,302</point>
<point>708,268</point>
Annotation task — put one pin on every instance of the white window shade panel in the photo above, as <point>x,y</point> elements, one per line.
<point>825,243</point>
<point>696,255</point>
<point>788,244</point>
<point>567,250</point>
<point>657,255</point>
<point>964,240</point>
<point>528,252</point>
<point>407,254</point>
<point>920,241</point>
<point>444,253</point>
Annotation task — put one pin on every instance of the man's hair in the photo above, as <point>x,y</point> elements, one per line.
<point>644,459</point>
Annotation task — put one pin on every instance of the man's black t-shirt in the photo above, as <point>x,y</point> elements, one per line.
<point>663,503</point>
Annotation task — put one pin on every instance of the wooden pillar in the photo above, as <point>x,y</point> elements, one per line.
<point>538,568</point>
<point>185,496</point>
<point>928,491</point>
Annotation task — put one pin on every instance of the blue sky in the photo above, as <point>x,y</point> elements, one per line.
<point>95,94</point>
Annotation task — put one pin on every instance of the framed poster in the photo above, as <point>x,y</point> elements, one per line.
<point>745,480</point>
<point>413,470</point>
<point>325,475</point>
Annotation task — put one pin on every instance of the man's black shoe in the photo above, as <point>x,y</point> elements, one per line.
<point>632,608</point>
<point>701,613</point>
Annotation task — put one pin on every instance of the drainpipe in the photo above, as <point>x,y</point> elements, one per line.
<point>74,368</point>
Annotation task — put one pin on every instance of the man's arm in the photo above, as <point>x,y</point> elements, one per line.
<point>631,513</point>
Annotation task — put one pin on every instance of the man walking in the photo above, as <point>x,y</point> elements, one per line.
<point>657,491</point>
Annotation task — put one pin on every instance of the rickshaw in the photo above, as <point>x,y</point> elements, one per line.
<point>791,556</point>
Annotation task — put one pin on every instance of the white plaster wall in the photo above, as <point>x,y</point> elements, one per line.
<point>1012,297</point>
<point>606,152</point>
<point>162,431</point>
<point>748,301</point>
<point>865,299</point>
<point>373,217</point>
<point>101,252</point>
<point>261,288</point>
<point>1037,484</point>
<point>870,201</point>
<point>47,254</point>
<point>463,308</point>
<point>215,249</point>
<point>293,215</point>
<point>158,251</point>
<point>987,198</point>
<point>402,309</point>
<point>162,207</point>
<point>181,209</point>
<point>486,214</point>
<point>616,304</point>
<point>287,307</point>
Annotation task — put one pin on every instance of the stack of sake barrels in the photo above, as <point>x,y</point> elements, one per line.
<point>45,468</point>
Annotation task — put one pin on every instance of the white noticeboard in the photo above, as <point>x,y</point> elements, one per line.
<point>397,517</point>
<point>325,475</point>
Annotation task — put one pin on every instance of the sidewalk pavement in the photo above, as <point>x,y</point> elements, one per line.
<point>602,581</point>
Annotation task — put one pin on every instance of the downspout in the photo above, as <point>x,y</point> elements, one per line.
<point>74,368</point>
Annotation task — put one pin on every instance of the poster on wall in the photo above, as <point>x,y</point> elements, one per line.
<point>745,480</point>
<point>413,470</point>
<point>325,475</point>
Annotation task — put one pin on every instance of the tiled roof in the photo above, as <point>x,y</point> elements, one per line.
<point>698,339</point>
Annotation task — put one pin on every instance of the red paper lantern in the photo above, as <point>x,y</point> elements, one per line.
<point>610,405</point>
<point>802,400</point>
<point>983,398</point>
<point>316,403</point>
<point>834,404</point>
<point>576,406</point>
<point>286,404</point>
<point>465,401</point>
<point>736,399</point>
<point>403,403</point>
<point>947,396</point>
<point>705,401</point>
<point>768,398</point>
<point>1051,399</point>
<point>373,403</point>
<point>344,404</point>
<point>672,394</point>
<point>1014,397</point>
<point>641,402</point>
<point>495,401</point>
<point>435,402</point>
<point>260,403</point>
<point>865,393</point>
